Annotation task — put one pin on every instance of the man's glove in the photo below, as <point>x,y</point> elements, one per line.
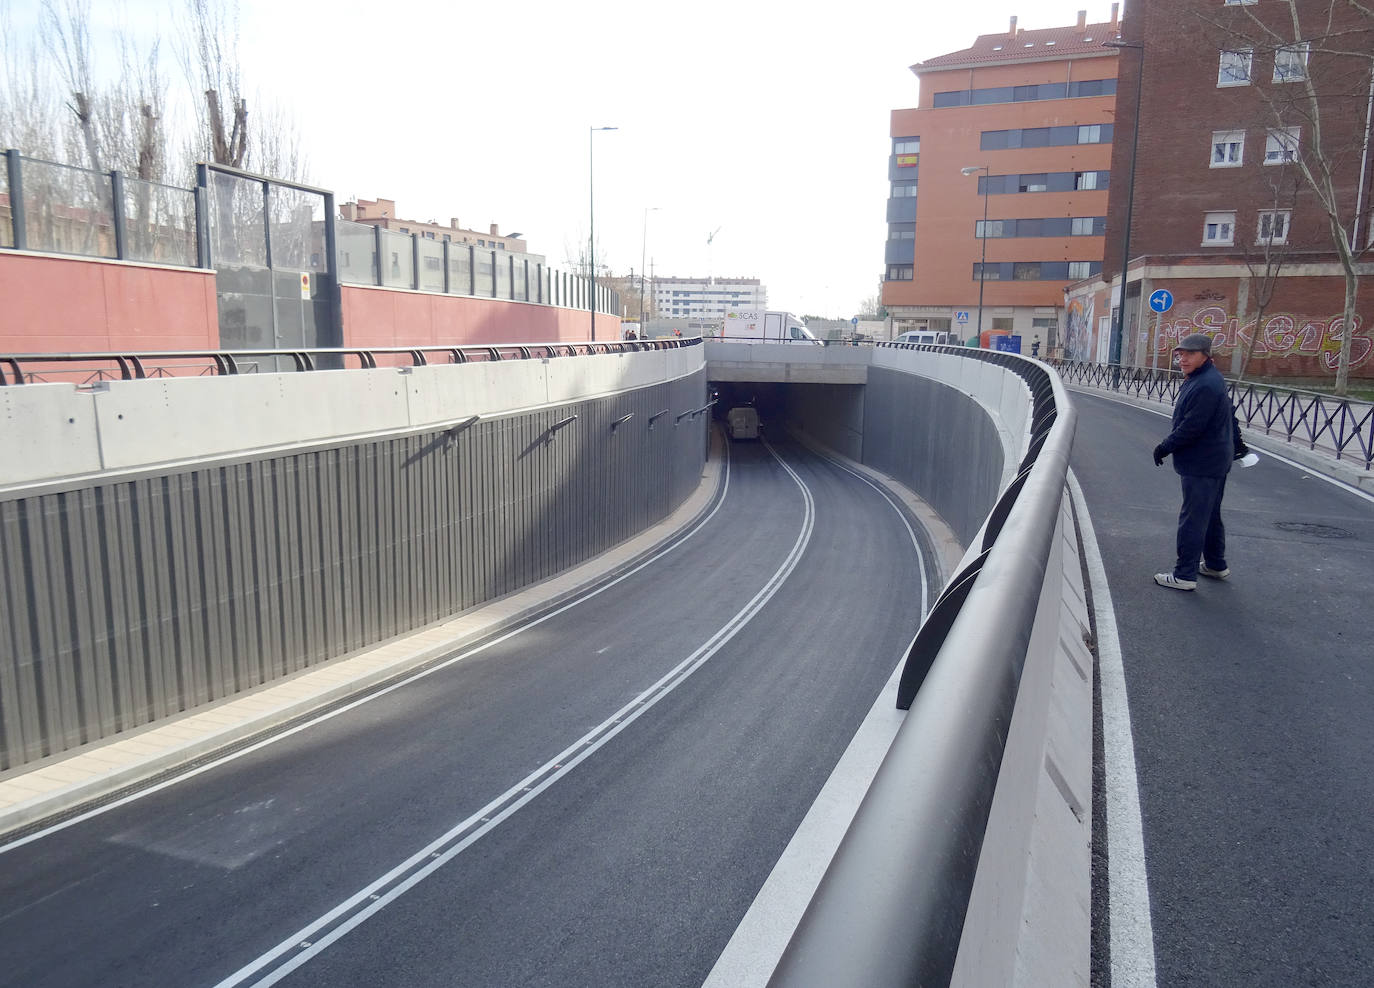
<point>1241,450</point>
<point>1160,453</point>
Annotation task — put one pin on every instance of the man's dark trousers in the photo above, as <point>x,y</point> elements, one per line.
<point>1201,534</point>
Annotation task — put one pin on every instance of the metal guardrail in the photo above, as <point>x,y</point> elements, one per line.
<point>1328,423</point>
<point>129,366</point>
<point>890,909</point>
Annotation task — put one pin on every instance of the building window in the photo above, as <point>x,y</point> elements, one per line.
<point>899,272</point>
<point>1032,183</point>
<point>1281,145</point>
<point>1273,226</point>
<point>1001,324</point>
<point>990,272</point>
<point>1228,148</point>
<point>1290,64</point>
<point>1078,270</point>
<point>903,190</point>
<point>1235,67</point>
<point>1090,134</point>
<point>1219,230</point>
<point>983,229</point>
<point>1240,3</point>
<point>1085,180</point>
<point>906,145</point>
<point>1082,226</point>
<point>1025,271</point>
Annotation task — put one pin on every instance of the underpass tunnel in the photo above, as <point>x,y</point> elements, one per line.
<point>832,414</point>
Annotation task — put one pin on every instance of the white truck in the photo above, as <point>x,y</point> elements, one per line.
<point>765,327</point>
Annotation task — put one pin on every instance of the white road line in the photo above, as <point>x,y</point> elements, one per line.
<point>305,725</point>
<point>887,496</point>
<point>1128,888</point>
<point>309,941</point>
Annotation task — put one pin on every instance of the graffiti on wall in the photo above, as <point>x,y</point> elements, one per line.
<point>1283,336</point>
<point>1078,328</point>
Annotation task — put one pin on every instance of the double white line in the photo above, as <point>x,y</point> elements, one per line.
<point>309,941</point>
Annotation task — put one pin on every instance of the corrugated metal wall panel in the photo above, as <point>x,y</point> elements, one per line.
<point>130,601</point>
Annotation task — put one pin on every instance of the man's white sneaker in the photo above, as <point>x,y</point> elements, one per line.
<point>1174,583</point>
<point>1216,574</point>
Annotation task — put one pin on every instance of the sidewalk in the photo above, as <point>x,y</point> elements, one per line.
<point>60,785</point>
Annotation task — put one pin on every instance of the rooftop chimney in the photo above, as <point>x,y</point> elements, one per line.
<point>1012,31</point>
<point>494,231</point>
<point>1116,8</point>
<point>453,222</point>
<point>1082,19</point>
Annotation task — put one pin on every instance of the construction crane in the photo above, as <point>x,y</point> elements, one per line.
<point>710,275</point>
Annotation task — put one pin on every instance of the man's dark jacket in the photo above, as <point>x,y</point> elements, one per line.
<point>1202,440</point>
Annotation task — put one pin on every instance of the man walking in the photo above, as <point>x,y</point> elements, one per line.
<point>1205,438</point>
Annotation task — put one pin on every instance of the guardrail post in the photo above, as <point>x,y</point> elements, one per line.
<point>15,171</point>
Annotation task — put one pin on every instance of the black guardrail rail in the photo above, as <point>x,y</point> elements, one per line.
<point>129,365</point>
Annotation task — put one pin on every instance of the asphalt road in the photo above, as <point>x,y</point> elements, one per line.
<point>593,801</point>
<point>1250,702</point>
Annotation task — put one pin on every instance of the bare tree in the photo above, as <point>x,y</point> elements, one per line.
<point>1319,103</point>
<point>28,109</point>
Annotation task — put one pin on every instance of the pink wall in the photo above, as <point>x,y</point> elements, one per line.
<point>69,305</point>
<point>391,317</point>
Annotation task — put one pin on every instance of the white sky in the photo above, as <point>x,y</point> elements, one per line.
<point>770,129</point>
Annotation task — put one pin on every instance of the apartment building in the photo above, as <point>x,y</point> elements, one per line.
<point>1226,231</point>
<point>999,182</point>
<point>382,212</point>
<point>701,305</point>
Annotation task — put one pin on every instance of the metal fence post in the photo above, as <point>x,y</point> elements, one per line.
<point>377,250</point>
<point>415,261</point>
<point>15,170</point>
<point>121,232</point>
<point>472,270</point>
<point>445,257</point>
<point>331,261</point>
<point>204,255</point>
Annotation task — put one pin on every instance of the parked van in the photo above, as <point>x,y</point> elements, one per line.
<point>742,422</point>
<point>925,336</point>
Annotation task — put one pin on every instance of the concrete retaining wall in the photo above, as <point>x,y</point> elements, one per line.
<point>194,566</point>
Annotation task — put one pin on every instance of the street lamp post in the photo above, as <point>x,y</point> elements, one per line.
<point>591,222</point>
<point>1118,324</point>
<point>983,264</point>
<point>643,245</point>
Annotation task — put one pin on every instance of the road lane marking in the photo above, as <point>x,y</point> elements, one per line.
<point>308,942</point>
<point>1128,886</point>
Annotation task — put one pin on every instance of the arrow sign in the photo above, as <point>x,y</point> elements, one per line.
<point>1162,300</point>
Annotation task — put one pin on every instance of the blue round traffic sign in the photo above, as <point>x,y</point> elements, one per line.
<point>1162,300</point>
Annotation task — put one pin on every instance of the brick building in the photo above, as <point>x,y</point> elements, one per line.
<point>1222,216</point>
<point>1028,114</point>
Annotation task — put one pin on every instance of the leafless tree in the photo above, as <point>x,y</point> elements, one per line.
<point>1322,53</point>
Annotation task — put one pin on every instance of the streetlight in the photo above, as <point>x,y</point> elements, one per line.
<point>1118,324</point>
<point>643,243</point>
<point>983,264</point>
<point>591,223</point>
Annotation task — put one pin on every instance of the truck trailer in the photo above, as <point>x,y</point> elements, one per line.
<point>756,325</point>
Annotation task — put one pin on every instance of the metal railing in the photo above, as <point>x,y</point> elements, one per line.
<point>890,908</point>
<point>130,366</point>
<point>1326,423</point>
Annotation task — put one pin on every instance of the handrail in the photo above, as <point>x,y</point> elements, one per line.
<point>1320,421</point>
<point>890,908</point>
<point>136,365</point>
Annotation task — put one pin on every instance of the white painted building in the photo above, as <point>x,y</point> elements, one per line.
<point>696,305</point>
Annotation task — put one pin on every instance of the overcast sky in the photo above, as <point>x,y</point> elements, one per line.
<point>768,130</point>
